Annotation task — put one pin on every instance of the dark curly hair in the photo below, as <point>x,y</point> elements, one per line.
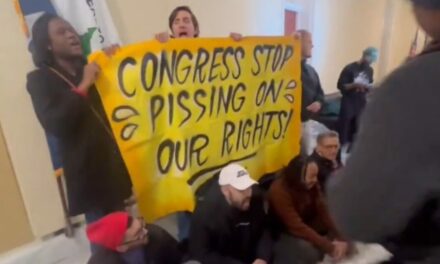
<point>41,55</point>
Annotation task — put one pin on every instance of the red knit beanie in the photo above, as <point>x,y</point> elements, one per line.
<point>109,231</point>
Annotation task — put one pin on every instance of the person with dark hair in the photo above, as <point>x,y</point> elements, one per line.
<point>389,191</point>
<point>355,82</point>
<point>302,223</point>
<point>325,156</point>
<point>122,239</point>
<point>182,15</point>
<point>230,225</point>
<point>184,24</point>
<point>68,107</point>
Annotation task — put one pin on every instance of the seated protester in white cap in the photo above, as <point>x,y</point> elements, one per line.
<point>122,239</point>
<point>229,226</point>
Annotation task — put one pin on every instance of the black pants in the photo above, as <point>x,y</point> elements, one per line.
<point>348,127</point>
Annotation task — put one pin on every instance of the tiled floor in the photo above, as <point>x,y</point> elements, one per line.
<point>56,250</point>
<point>62,250</point>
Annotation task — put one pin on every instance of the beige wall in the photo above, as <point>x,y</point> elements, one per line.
<point>15,229</point>
<point>338,40</point>
<point>140,20</point>
<point>23,134</point>
<point>341,32</point>
<point>403,32</point>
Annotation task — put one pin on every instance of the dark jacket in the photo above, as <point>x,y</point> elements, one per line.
<point>325,168</point>
<point>391,183</point>
<point>353,102</point>
<point>221,234</point>
<point>302,213</point>
<point>311,90</point>
<point>162,248</point>
<point>96,176</point>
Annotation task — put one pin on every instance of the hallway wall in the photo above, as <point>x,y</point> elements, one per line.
<point>15,229</point>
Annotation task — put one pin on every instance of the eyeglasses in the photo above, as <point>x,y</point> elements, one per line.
<point>139,235</point>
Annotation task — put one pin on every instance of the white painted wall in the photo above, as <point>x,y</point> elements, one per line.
<point>24,136</point>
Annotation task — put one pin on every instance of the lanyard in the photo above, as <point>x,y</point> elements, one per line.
<point>91,107</point>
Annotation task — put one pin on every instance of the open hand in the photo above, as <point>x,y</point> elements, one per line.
<point>236,36</point>
<point>162,37</point>
<point>315,107</point>
<point>111,50</point>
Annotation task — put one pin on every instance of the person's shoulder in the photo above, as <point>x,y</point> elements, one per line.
<point>349,67</point>
<point>102,255</point>
<point>36,77</point>
<point>352,65</point>
<point>419,73</point>
<point>276,187</point>
<point>257,193</point>
<point>428,62</point>
<point>414,83</point>
<point>156,229</point>
<point>309,66</point>
<point>36,73</point>
<point>159,232</point>
<point>211,201</point>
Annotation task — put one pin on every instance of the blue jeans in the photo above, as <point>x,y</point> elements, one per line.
<point>183,225</point>
<point>93,216</point>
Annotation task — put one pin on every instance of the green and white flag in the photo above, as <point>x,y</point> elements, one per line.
<point>91,18</point>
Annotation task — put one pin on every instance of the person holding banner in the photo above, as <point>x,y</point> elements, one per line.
<point>68,107</point>
<point>184,24</point>
<point>229,226</point>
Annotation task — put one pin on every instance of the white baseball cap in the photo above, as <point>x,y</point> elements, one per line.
<point>236,176</point>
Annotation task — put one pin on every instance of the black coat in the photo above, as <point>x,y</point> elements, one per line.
<point>311,90</point>
<point>96,176</point>
<point>221,234</point>
<point>162,248</point>
<point>353,102</point>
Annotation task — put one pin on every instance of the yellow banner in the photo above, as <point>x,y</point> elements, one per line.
<point>181,111</point>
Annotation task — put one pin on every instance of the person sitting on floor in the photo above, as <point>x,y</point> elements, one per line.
<point>326,156</point>
<point>303,225</point>
<point>229,225</point>
<point>122,239</point>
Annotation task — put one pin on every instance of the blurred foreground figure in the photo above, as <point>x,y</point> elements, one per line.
<point>389,191</point>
